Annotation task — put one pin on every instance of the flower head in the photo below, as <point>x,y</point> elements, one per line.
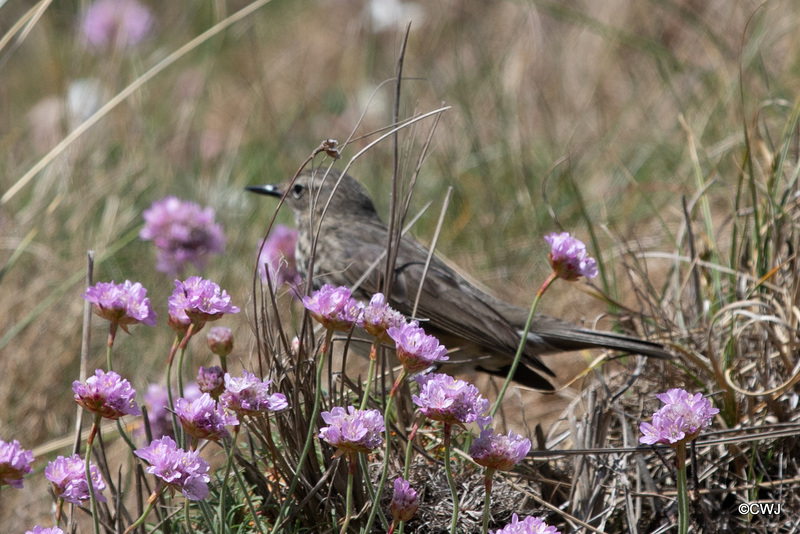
<point>220,340</point>
<point>681,418</point>
<point>211,380</point>
<point>106,394</point>
<point>497,451</point>
<point>158,415</point>
<point>568,257</point>
<point>203,418</point>
<point>278,257</point>
<point>182,232</point>
<point>116,23</point>
<point>353,430</point>
<point>199,300</point>
<point>123,304</point>
<point>15,462</point>
<point>333,307</point>
<point>184,471</point>
<point>405,500</point>
<point>379,317</point>
<point>529,525</point>
<point>42,530</point>
<point>443,398</point>
<point>68,476</point>
<point>416,350</point>
<point>249,395</point>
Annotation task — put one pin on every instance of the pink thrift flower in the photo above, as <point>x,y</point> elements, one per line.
<point>443,398</point>
<point>184,471</point>
<point>68,476</point>
<point>116,23</point>
<point>568,257</point>
<point>416,350</point>
<point>249,395</point>
<point>15,463</point>
<point>499,452</point>
<point>198,300</point>
<point>405,500</point>
<point>333,308</point>
<point>529,525</point>
<point>378,317</point>
<point>106,394</point>
<point>681,418</point>
<point>123,304</point>
<point>353,430</point>
<point>203,418</point>
<point>182,232</point>
<point>278,257</point>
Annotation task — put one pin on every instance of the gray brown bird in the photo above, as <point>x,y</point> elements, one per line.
<point>485,330</point>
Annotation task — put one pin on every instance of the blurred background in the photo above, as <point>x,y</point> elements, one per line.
<point>566,114</point>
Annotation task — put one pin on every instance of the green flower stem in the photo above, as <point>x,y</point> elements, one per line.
<point>224,484</point>
<point>150,502</point>
<point>522,341</point>
<point>373,358</point>
<point>449,473</point>
<point>385,471</point>
<point>351,472</point>
<point>487,500</point>
<point>89,440</point>
<point>407,464</point>
<point>247,497</point>
<point>189,528</point>
<point>683,490</point>
<point>175,426</point>
<point>184,343</point>
<point>326,347</point>
<point>112,334</point>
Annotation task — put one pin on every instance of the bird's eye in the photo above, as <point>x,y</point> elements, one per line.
<point>297,190</point>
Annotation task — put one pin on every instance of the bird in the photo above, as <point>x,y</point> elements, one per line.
<point>479,329</point>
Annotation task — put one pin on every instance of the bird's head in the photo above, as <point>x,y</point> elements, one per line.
<point>311,191</point>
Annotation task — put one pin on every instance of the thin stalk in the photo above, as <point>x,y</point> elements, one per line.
<point>385,471</point>
<point>112,334</point>
<point>351,472</point>
<point>92,499</point>
<point>523,341</point>
<point>373,358</point>
<point>175,426</point>
<point>150,502</point>
<point>326,347</point>
<point>224,485</point>
<point>449,473</point>
<point>683,490</point>
<point>487,500</point>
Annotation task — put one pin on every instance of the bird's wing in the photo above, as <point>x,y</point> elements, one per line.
<point>447,300</point>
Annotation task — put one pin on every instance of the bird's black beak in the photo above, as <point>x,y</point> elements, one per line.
<point>269,190</point>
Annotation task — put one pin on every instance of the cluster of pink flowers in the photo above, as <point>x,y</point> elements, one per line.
<point>681,418</point>
<point>106,394</point>
<point>183,232</point>
<point>68,475</point>
<point>122,304</point>
<point>353,430</point>
<point>184,471</point>
<point>249,395</point>
<point>278,256</point>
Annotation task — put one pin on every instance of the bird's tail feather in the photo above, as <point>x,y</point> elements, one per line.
<point>578,338</point>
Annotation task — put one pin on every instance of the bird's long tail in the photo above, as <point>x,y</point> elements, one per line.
<point>580,338</point>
